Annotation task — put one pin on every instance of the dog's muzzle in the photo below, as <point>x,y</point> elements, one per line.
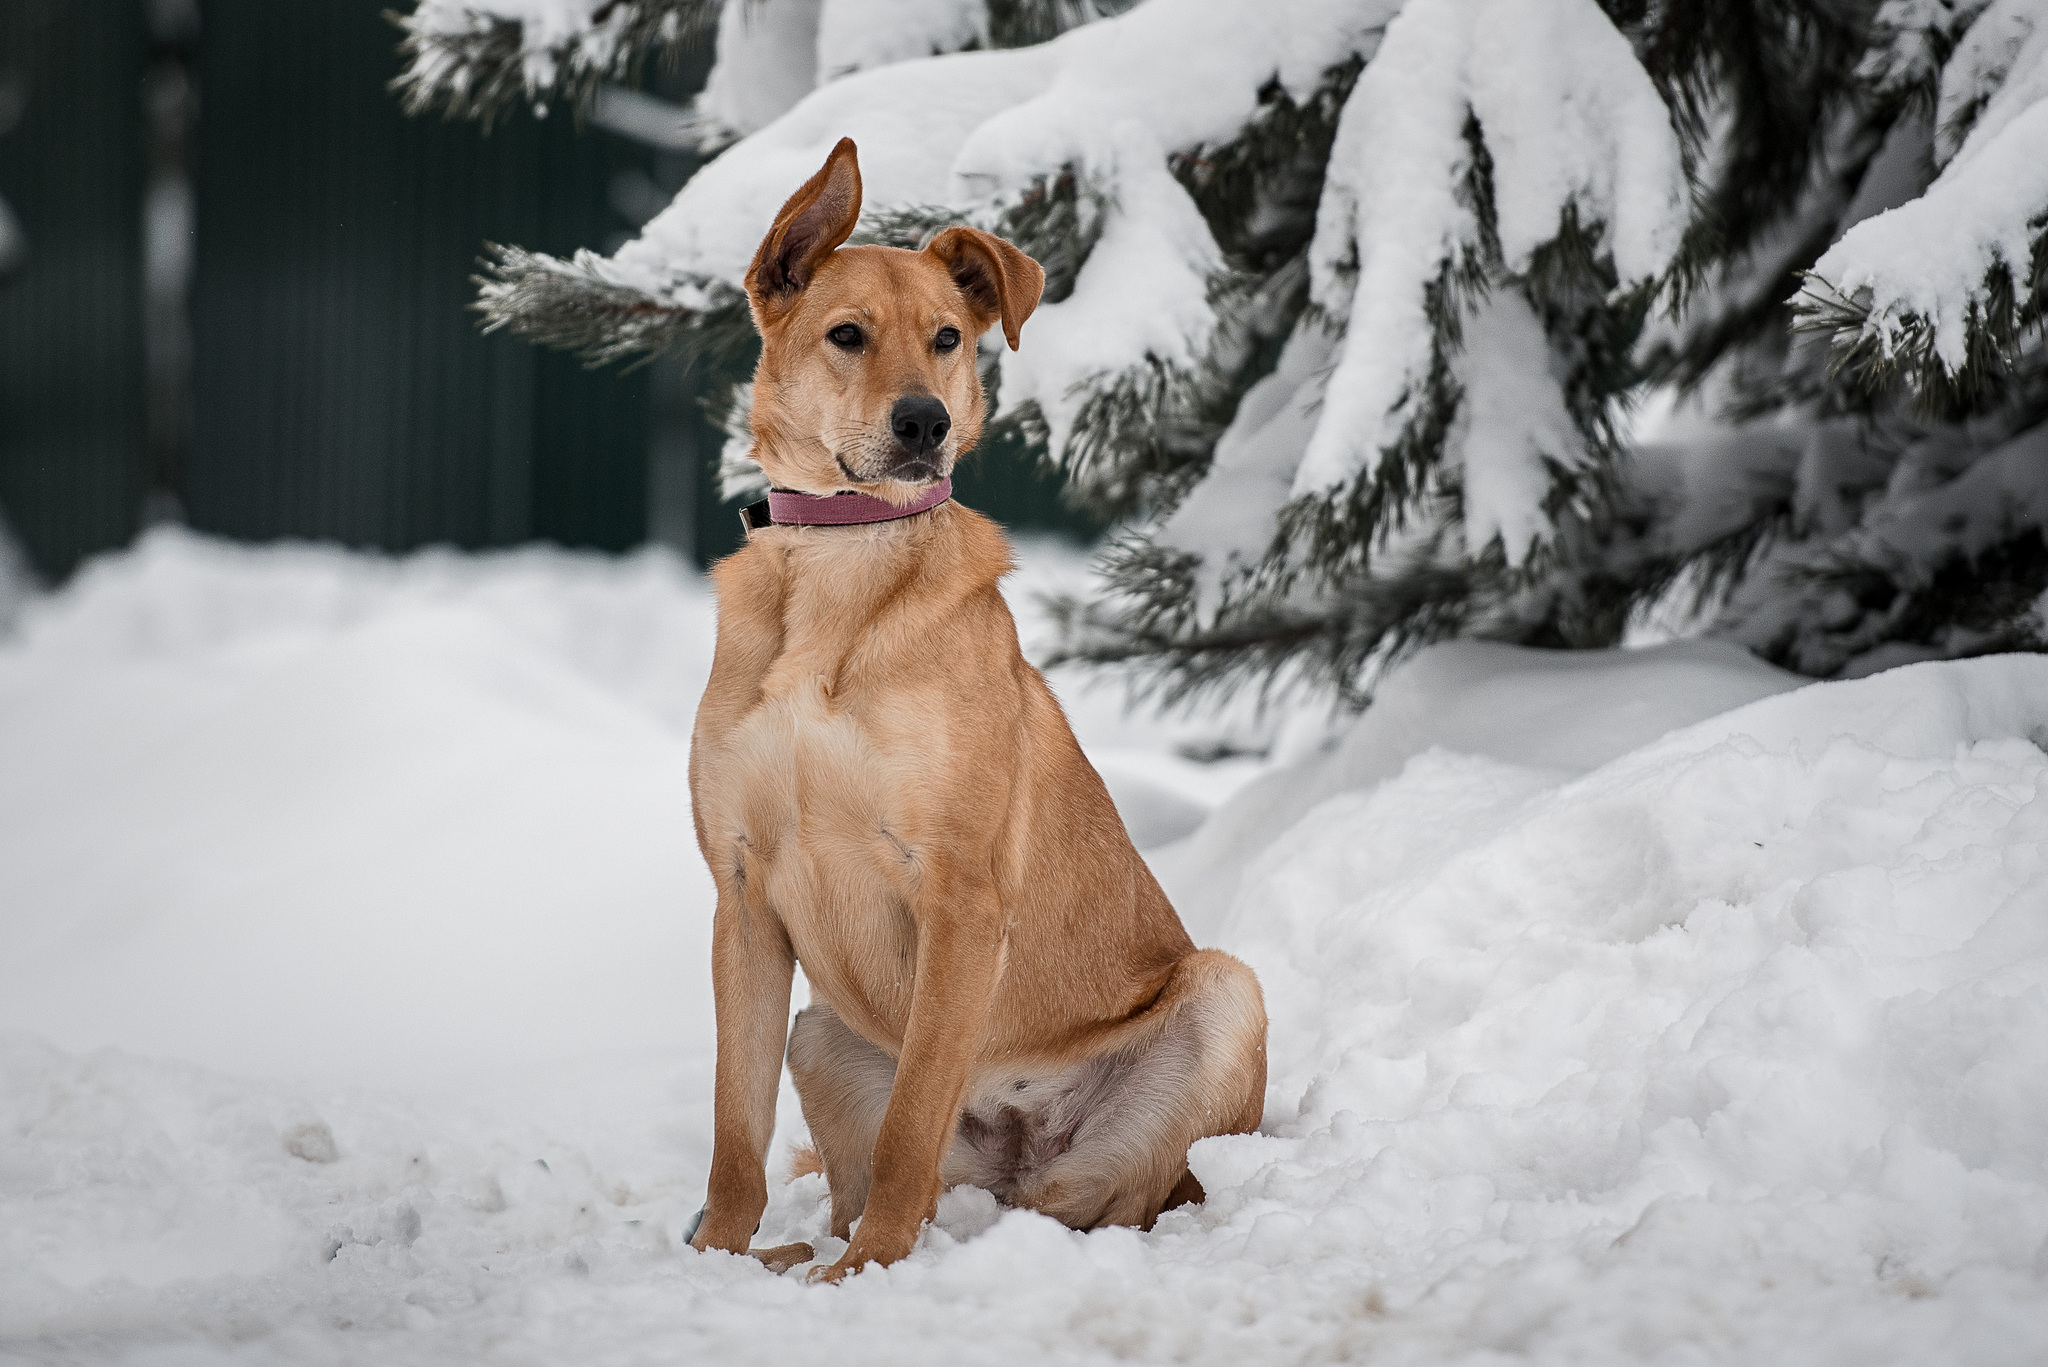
<point>920,424</point>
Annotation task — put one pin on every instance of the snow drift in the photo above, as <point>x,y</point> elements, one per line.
<point>1728,1043</point>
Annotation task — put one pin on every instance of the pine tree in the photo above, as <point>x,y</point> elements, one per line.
<point>1349,305</point>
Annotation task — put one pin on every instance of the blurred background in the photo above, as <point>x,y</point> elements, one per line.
<point>235,288</point>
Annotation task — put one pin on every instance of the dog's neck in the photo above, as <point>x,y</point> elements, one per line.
<point>847,508</point>
<point>838,577</point>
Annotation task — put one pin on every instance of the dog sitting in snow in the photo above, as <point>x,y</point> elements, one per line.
<point>888,794</point>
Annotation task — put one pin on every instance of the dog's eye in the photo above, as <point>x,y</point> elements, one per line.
<point>845,335</point>
<point>947,339</point>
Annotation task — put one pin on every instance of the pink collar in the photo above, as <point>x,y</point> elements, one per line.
<point>788,507</point>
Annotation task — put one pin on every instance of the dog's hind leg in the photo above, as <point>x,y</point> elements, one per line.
<point>843,1082</point>
<point>1110,1146</point>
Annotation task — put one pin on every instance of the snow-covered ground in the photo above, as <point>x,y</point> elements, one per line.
<point>1626,1008</point>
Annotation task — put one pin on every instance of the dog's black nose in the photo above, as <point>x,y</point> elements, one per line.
<point>920,422</point>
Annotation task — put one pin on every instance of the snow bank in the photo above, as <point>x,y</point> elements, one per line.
<point>345,803</point>
<point>1558,711</point>
<point>1754,1016</point>
<point>1591,1044</point>
<point>389,819</point>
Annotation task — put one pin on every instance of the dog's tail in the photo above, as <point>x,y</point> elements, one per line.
<point>804,1160</point>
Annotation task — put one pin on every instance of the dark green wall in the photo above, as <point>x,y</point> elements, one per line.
<point>71,319</point>
<point>341,388</point>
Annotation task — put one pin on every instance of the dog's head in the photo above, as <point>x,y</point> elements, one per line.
<point>867,378</point>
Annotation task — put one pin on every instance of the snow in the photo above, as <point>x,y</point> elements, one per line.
<point>1571,121</point>
<point>551,32</point>
<point>1185,71</point>
<point>1915,37</point>
<point>854,35</point>
<point>1998,70</point>
<point>1190,71</point>
<point>1947,502</point>
<point>546,22</point>
<point>710,231</point>
<point>767,62</point>
<point>1228,520</point>
<point>1108,101</point>
<point>1564,712</point>
<point>1754,1016</point>
<point>1512,427</point>
<point>1628,1006</point>
<point>1569,118</point>
<point>255,779</point>
<point>17,578</point>
<point>1924,263</point>
<point>1143,292</point>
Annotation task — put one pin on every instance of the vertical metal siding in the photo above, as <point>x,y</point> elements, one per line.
<point>71,419</point>
<point>341,389</point>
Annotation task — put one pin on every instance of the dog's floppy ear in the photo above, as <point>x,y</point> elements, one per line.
<point>810,228</point>
<point>998,280</point>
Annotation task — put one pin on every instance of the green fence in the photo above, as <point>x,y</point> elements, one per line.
<point>329,380</point>
<point>339,386</point>
<point>71,362</point>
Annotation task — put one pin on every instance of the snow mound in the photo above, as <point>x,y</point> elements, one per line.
<point>1562,711</point>
<point>389,819</point>
<point>1594,1040</point>
<point>345,803</point>
<point>1756,1014</point>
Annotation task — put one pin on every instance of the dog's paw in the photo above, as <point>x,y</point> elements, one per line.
<point>718,1229</point>
<point>868,1247</point>
<point>838,1271</point>
<point>783,1257</point>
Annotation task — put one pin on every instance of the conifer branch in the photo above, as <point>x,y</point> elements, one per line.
<point>1871,350</point>
<point>1023,23</point>
<point>571,306</point>
<point>471,63</point>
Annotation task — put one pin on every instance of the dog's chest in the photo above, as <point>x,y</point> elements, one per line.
<point>802,783</point>
<point>799,801</point>
<point>816,756</point>
<point>796,764</point>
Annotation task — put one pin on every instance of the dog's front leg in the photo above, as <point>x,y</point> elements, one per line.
<point>751,967</point>
<point>959,950</point>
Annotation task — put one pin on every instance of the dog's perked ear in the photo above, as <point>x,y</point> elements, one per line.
<point>811,226</point>
<point>998,280</point>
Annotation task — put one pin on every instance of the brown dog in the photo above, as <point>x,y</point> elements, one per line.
<point>888,794</point>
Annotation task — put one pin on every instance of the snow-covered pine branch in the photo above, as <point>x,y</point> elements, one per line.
<point>1940,290</point>
<point>1494,225</point>
<point>1347,304</point>
<point>477,58</point>
<point>573,306</point>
